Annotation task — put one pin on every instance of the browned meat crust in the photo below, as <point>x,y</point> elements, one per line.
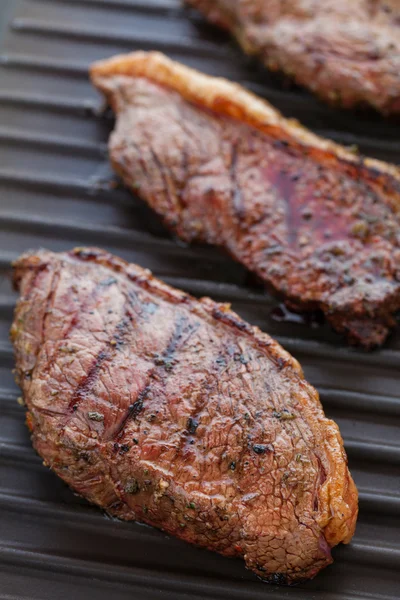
<point>175,412</point>
<point>317,224</point>
<point>347,53</point>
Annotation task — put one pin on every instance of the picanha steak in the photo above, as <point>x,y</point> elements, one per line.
<point>319,225</point>
<point>173,411</point>
<point>347,53</point>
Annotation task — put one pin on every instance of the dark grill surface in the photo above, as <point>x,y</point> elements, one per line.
<point>56,191</point>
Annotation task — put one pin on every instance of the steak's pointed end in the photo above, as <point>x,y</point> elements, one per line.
<point>175,412</point>
<point>317,223</point>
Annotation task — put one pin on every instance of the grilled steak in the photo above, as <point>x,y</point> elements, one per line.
<point>348,54</point>
<point>172,411</point>
<point>317,224</point>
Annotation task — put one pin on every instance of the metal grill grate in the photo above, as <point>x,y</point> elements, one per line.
<point>55,192</point>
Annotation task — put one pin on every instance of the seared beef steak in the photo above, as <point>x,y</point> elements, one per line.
<point>175,412</point>
<point>317,224</point>
<point>347,53</point>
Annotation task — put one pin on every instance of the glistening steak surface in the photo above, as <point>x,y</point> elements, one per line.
<point>175,412</point>
<point>347,53</point>
<point>317,224</point>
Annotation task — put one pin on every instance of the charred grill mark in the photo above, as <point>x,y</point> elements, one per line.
<point>121,331</point>
<point>175,338</point>
<point>107,352</point>
<point>166,362</point>
<point>167,358</point>
<point>133,411</point>
<point>88,381</point>
<point>76,319</point>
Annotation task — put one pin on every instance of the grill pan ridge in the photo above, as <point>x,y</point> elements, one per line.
<point>57,190</point>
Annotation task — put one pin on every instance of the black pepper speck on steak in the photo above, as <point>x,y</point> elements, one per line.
<point>320,226</point>
<point>173,411</point>
<point>347,53</point>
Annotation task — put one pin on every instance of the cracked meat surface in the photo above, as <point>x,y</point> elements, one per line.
<point>172,411</point>
<point>317,224</point>
<point>347,54</point>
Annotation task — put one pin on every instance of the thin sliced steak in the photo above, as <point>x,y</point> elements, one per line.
<point>347,53</point>
<point>319,225</point>
<point>172,411</point>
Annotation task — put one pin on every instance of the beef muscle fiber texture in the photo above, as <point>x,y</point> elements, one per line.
<point>316,223</point>
<point>172,411</point>
<point>347,53</point>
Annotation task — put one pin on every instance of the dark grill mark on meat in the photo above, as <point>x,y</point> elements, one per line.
<point>121,332</point>
<point>81,311</point>
<point>166,361</point>
<point>133,412</point>
<point>304,215</point>
<point>176,338</point>
<point>222,480</point>
<point>87,382</point>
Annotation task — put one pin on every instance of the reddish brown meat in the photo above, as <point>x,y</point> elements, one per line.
<point>348,53</point>
<point>175,412</point>
<point>317,224</point>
